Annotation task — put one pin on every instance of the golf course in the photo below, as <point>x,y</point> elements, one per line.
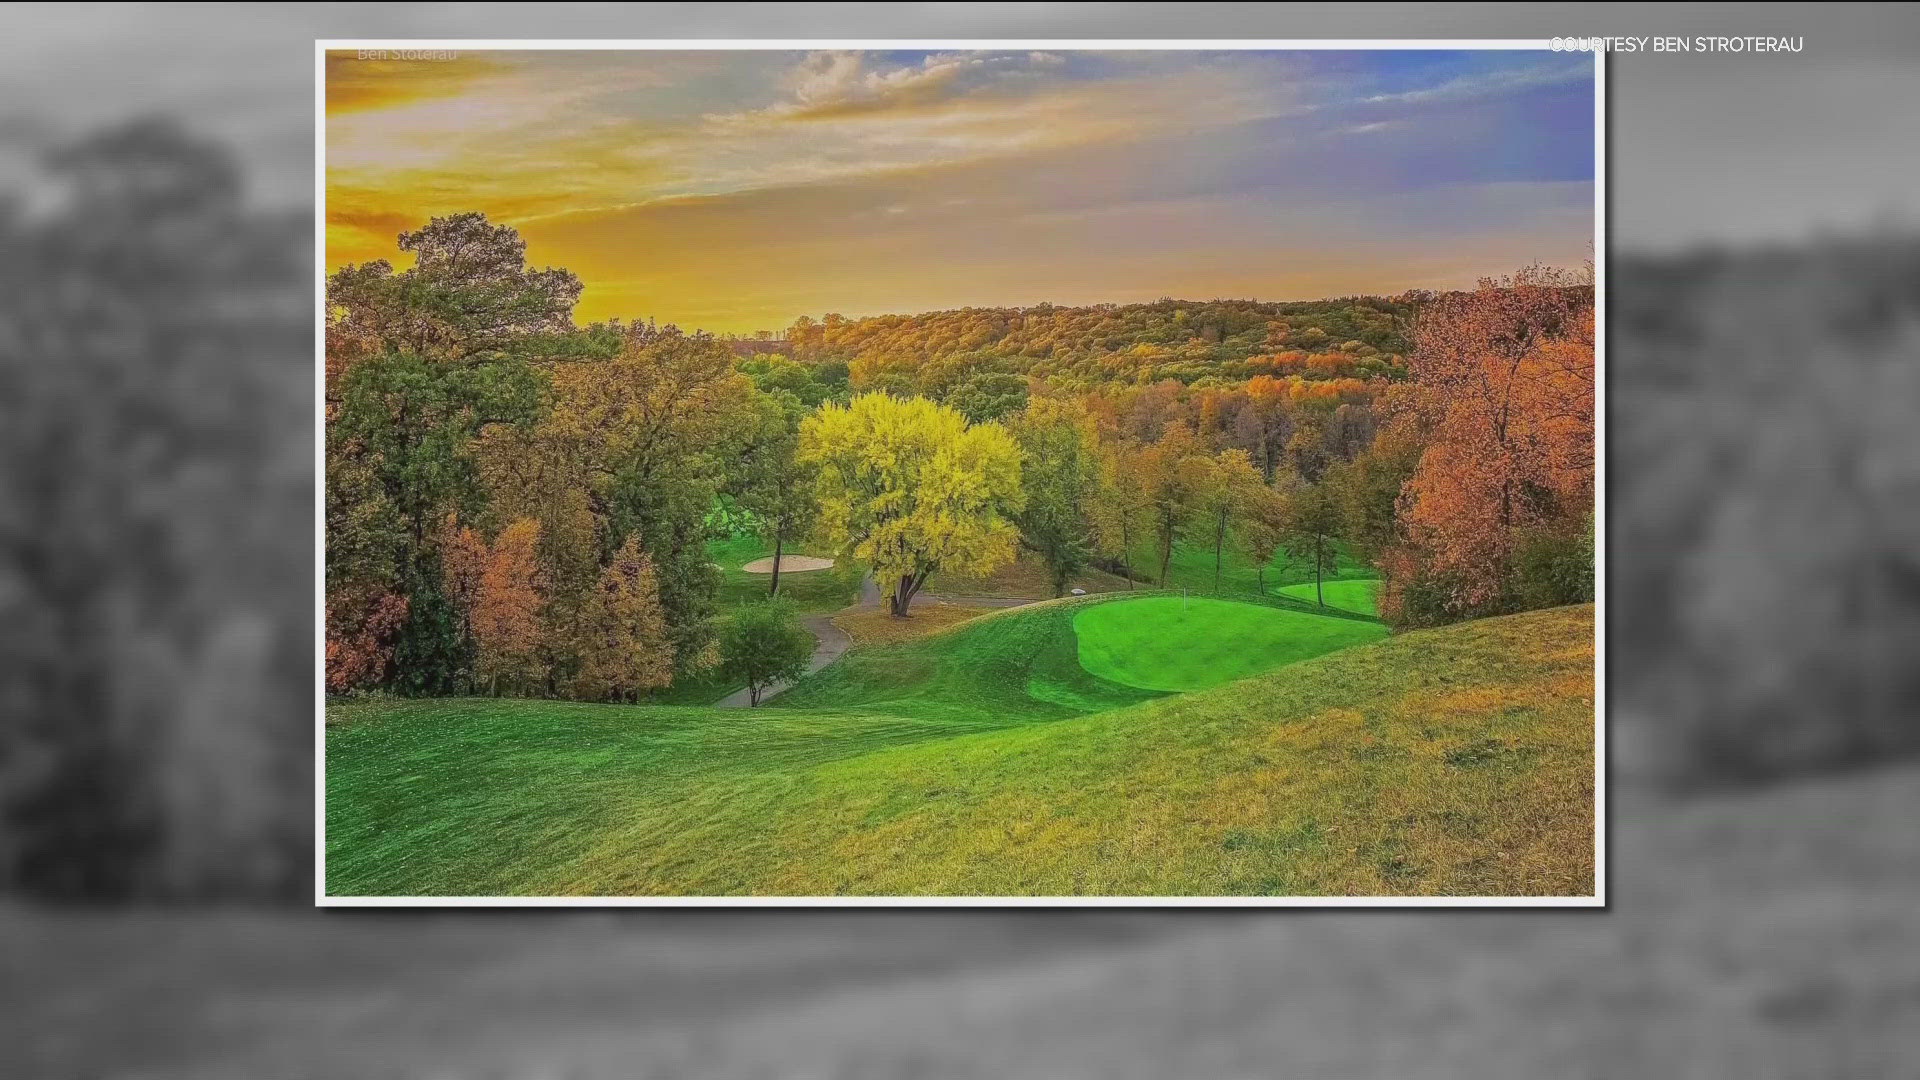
<point>1148,745</point>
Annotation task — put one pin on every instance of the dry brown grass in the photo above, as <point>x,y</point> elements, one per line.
<point>877,627</point>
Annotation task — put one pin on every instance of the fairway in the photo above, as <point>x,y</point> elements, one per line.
<point>1190,643</point>
<point>1359,595</point>
<point>985,761</point>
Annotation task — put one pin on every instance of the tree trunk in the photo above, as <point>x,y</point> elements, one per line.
<point>1219,541</point>
<point>902,597</point>
<point>753,695</point>
<point>1319,595</point>
<point>1166,556</point>
<point>778,539</point>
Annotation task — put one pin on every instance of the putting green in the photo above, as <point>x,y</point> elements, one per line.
<point>1350,594</point>
<point>1190,643</point>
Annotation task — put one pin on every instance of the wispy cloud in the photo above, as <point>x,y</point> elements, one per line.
<point>738,190</point>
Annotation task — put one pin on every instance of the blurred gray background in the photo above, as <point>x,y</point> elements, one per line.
<point>156,561</point>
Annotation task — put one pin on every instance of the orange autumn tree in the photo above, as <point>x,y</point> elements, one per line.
<point>501,585</point>
<point>360,639</point>
<point>1503,382</point>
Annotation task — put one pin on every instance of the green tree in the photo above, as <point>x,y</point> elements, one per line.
<point>420,364</point>
<point>1226,492</point>
<point>406,428</point>
<point>1120,505</point>
<point>989,395</point>
<point>1262,529</point>
<point>626,648</point>
<point>469,293</point>
<point>1312,529</point>
<point>649,437</point>
<point>1167,476</point>
<point>761,644</point>
<point>769,480</point>
<point>1367,490</point>
<point>908,487</point>
<point>1058,476</point>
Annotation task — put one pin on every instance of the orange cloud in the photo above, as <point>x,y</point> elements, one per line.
<point>356,85</point>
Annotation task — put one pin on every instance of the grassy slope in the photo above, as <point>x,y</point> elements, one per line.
<point>1359,595</point>
<point>1449,761</point>
<point>1013,666</point>
<point>1190,643</point>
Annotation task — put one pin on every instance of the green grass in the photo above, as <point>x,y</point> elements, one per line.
<point>1191,570</point>
<point>1013,666</point>
<point>1359,595</point>
<point>1182,643</point>
<point>984,760</point>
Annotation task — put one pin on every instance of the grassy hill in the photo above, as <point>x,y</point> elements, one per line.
<point>986,761</point>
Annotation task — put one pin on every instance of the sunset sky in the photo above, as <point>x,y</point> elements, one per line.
<point>734,191</point>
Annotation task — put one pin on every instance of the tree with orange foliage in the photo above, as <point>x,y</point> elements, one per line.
<point>360,639</point>
<point>1267,423</point>
<point>1504,378</point>
<point>501,584</point>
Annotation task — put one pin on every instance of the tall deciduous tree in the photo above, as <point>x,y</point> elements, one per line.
<point>428,359</point>
<point>1058,478</point>
<point>1227,492</point>
<point>1367,489</point>
<point>1120,505</point>
<point>769,480</point>
<point>1166,476</point>
<point>638,444</point>
<point>908,487</point>
<point>1313,526</point>
<point>469,293</point>
<point>502,587</point>
<point>1262,530</point>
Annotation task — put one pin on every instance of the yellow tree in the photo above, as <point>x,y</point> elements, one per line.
<point>1227,494</point>
<point>625,647</point>
<point>505,615</point>
<point>1120,504</point>
<point>908,487</point>
<point>1165,472</point>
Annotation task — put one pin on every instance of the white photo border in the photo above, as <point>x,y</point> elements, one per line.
<point>1597,900</point>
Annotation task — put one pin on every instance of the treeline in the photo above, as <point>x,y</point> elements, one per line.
<point>1080,347</point>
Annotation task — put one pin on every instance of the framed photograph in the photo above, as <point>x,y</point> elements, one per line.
<point>1137,473</point>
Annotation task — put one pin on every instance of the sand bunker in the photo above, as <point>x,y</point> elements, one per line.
<point>789,564</point>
